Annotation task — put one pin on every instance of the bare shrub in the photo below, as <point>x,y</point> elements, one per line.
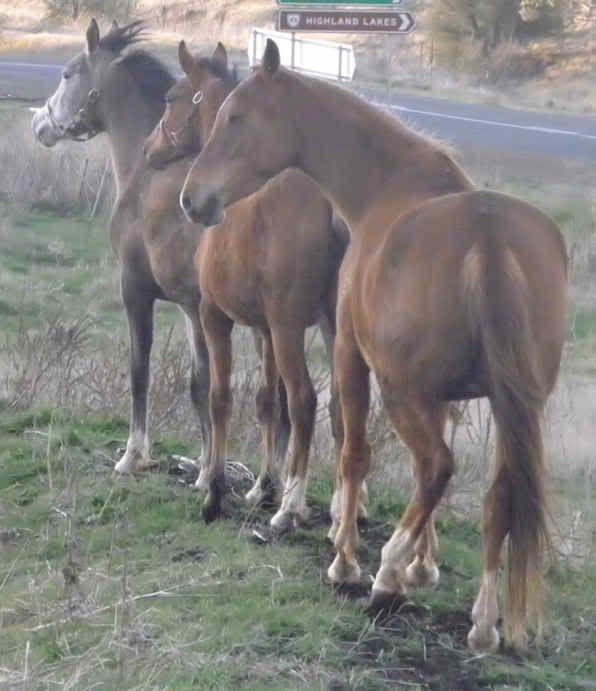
<point>72,9</point>
<point>65,178</point>
<point>484,37</point>
<point>513,62</point>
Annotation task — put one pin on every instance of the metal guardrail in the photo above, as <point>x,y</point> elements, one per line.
<point>326,59</point>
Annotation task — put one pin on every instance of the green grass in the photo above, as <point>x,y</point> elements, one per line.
<point>53,265</point>
<point>157,594</point>
<point>118,583</point>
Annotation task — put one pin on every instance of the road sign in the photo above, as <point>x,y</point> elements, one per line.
<point>378,3</point>
<point>345,21</point>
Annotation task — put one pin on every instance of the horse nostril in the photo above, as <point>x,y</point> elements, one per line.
<point>185,202</point>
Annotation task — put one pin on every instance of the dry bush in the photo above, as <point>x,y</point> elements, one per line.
<point>512,62</point>
<point>66,178</point>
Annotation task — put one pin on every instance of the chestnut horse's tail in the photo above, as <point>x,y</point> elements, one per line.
<point>498,296</point>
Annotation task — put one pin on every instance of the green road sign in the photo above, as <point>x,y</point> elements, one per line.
<point>340,3</point>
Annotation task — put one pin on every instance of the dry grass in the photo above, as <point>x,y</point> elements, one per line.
<point>66,178</point>
<point>117,585</point>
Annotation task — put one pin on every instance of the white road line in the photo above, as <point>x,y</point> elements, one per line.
<point>406,109</point>
<point>492,123</point>
<point>30,64</point>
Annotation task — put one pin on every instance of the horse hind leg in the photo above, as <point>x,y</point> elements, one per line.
<point>139,312</point>
<point>483,636</point>
<point>267,483</point>
<point>420,425</point>
<point>288,346</point>
<point>423,570</point>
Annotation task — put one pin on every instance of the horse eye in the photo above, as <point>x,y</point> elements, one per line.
<point>66,75</point>
<point>234,117</point>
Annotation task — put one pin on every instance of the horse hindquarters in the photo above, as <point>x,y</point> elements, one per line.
<point>498,299</point>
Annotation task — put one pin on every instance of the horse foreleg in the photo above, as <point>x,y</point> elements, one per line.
<point>199,387</point>
<point>267,484</point>
<point>288,346</point>
<point>420,425</point>
<point>354,393</point>
<point>218,336</point>
<point>139,312</point>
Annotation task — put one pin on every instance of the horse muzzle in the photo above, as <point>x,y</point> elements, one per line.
<point>44,129</point>
<point>208,213</point>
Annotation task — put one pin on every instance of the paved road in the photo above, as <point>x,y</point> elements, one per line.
<point>558,136</point>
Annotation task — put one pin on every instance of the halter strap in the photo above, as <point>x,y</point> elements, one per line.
<point>84,125</point>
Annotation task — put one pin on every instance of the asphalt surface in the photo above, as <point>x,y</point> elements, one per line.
<point>554,135</point>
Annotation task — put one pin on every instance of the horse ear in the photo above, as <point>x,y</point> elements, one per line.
<point>186,60</point>
<point>271,59</point>
<point>92,36</point>
<point>220,55</point>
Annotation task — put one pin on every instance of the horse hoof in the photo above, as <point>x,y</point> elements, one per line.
<point>483,640</point>
<point>418,575</point>
<point>211,510</point>
<point>282,521</point>
<point>125,466</point>
<point>344,571</point>
<point>384,602</point>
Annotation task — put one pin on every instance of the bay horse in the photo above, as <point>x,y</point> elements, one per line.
<point>272,264</point>
<point>446,293</point>
<point>110,89</point>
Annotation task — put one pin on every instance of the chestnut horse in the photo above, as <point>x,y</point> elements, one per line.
<point>272,264</point>
<point>445,293</point>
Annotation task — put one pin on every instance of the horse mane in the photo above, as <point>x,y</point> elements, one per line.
<point>120,37</point>
<point>152,77</point>
<point>384,122</point>
<point>217,69</point>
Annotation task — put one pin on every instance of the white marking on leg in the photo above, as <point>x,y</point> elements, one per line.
<point>343,570</point>
<point>136,457</point>
<point>255,495</point>
<point>422,572</point>
<point>483,636</point>
<point>202,481</point>
<point>335,514</point>
<point>293,503</point>
<point>396,552</point>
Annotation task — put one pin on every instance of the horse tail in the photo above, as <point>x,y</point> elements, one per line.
<point>499,297</point>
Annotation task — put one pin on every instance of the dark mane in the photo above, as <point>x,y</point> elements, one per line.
<point>150,74</point>
<point>219,70</point>
<point>120,37</point>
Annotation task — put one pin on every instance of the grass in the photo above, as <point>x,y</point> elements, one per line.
<point>124,572</point>
<point>110,583</point>
<point>116,582</point>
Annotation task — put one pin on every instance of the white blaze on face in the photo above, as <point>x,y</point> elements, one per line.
<point>51,121</point>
